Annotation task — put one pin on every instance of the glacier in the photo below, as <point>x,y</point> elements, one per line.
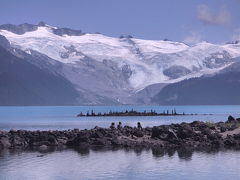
<point>117,68</point>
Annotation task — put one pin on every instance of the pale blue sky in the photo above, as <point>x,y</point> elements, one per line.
<point>191,21</point>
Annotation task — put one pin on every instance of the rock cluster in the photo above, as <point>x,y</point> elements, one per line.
<point>193,135</point>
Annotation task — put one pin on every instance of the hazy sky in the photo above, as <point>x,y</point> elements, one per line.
<point>182,20</point>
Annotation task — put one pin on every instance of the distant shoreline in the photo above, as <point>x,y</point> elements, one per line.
<point>134,113</point>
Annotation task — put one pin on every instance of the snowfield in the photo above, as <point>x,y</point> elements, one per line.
<point>147,61</point>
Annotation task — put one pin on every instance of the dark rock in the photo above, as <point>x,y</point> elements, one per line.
<point>164,133</point>
<point>229,141</point>
<point>231,120</point>
<point>172,134</point>
<point>223,129</point>
<point>213,136</point>
<point>157,131</point>
<point>4,143</point>
<point>4,42</point>
<point>236,137</point>
<point>138,133</point>
<point>101,142</point>
<point>199,125</point>
<point>43,148</point>
<point>19,29</point>
<point>195,135</point>
<point>207,131</point>
<point>67,31</point>
<point>185,131</point>
<point>82,138</point>
<point>96,134</point>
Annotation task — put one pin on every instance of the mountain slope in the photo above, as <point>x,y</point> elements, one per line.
<point>107,70</point>
<point>149,61</point>
<point>22,83</point>
<point>220,89</point>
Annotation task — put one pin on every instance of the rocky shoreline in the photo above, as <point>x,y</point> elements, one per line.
<point>196,135</point>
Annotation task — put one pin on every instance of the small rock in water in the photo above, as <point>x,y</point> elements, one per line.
<point>43,148</point>
<point>41,155</point>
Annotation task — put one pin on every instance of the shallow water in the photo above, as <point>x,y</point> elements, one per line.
<point>64,117</point>
<point>119,164</point>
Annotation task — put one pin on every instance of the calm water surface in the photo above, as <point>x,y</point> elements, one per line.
<point>119,165</point>
<point>60,117</point>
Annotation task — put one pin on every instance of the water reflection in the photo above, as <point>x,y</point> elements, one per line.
<point>182,153</point>
<point>119,163</point>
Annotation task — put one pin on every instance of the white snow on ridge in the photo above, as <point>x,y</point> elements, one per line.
<point>150,46</point>
<point>148,59</point>
<point>234,49</point>
<point>93,45</point>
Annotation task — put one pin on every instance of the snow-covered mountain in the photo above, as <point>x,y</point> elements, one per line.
<point>117,68</point>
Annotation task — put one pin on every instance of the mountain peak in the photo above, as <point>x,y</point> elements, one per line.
<point>41,23</point>
<point>19,29</point>
<point>25,27</point>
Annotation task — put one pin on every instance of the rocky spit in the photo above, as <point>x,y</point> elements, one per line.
<point>196,135</point>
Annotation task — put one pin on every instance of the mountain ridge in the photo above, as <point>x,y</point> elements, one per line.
<point>115,69</point>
